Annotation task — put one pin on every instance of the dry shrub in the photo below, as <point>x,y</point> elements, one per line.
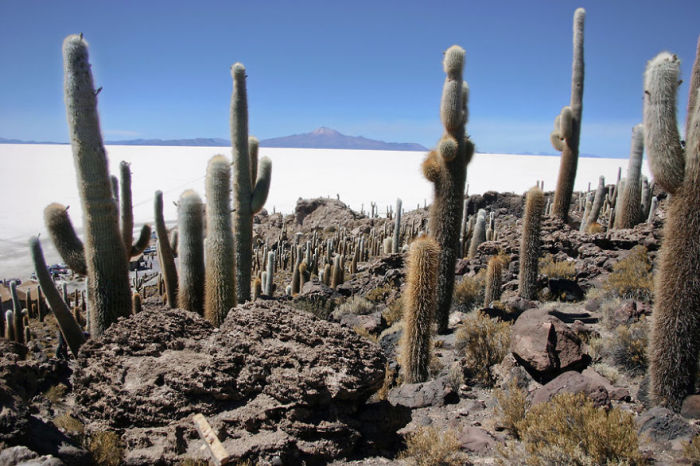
<point>607,310</point>
<point>594,228</point>
<point>570,430</point>
<point>379,294</point>
<point>631,277</point>
<point>393,313</point>
<point>389,382</point>
<point>483,342</point>
<point>512,406</point>
<point>106,448</point>
<point>691,450</point>
<point>628,348</point>
<point>363,332</point>
<point>428,446</point>
<point>69,424</point>
<point>56,392</point>
<point>356,305</point>
<point>609,372</point>
<point>470,290</point>
<point>557,269</point>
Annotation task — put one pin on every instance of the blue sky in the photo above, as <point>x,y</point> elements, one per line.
<point>370,68</point>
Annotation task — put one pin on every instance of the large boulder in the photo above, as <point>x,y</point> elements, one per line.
<point>545,345</point>
<point>274,382</point>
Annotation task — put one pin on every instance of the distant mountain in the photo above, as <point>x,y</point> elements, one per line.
<point>326,138</point>
<point>19,141</point>
<point>201,142</point>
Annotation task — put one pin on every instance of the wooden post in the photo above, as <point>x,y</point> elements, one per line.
<point>216,449</point>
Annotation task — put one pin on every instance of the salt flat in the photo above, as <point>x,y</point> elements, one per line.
<point>36,175</point>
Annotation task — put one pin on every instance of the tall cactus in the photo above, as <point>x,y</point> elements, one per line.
<point>492,290</point>
<point>446,168</point>
<point>126,212</point>
<point>419,304</point>
<point>530,243</point>
<point>567,131</point>
<point>165,252</point>
<point>105,257</point>
<point>395,243</point>
<point>249,193</point>
<point>191,277</point>
<point>220,278</point>
<point>674,343</point>
<point>66,322</point>
<point>630,212</point>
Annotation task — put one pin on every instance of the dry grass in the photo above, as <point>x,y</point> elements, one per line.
<point>609,372</point>
<point>470,290</point>
<point>483,342</point>
<point>631,277</point>
<point>594,228</point>
<point>379,294</point>
<point>106,448</point>
<point>511,408</point>
<point>691,451</point>
<point>389,382</point>
<point>557,269</point>
<point>393,313</point>
<point>570,430</point>
<point>56,392</point>
<point>429,446</point>
<point>356,305</point>
<point>363,332</point>
<point>69,424</point>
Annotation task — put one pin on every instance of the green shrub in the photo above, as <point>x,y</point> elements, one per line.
<point>483,342</point>
<point>470,291</point>
<point>631,277</point>
<point>570,430</point>
<point>429,446</point>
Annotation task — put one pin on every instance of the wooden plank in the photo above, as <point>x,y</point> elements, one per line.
<point>216,449</point>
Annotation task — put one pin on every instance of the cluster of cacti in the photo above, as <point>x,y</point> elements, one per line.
<point>530,244</point>
<point>478,235</point>
<point>446,168</point>
<point>251,183</point>
<point>592,212</point>
<point>674,343</point>
<point>419,305</point>
<point>567,126</point>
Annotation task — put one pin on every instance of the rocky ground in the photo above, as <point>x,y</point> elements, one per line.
<point>313,378</point>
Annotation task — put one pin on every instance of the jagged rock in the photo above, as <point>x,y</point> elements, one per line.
<point>573,382</point>
<point>373,323</point>
<point>662,425</point>
<point>321,212</point>
<point>389,339</point>
<point>545,345</point>
<point>565,290</point>
<point>23,456</point>
<point>476,440</point>
<point>272,381</point>
<point>437,392</point>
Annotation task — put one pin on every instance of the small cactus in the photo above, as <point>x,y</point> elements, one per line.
<point>419,304</point>
<point>492,291</point>
<point>530,244</point>
<point>396,242</point>
<point>191,257</point>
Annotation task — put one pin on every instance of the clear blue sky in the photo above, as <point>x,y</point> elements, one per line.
<point>370,68</point>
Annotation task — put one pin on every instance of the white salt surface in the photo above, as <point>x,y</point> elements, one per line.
<point>37,175</point>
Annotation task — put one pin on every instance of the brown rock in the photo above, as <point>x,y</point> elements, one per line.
<point>545,345</point>
<point>436,392</point>
<point>476,440</point>
<point>573,382</point>
<point>691,407</point>
<point>272,380</point>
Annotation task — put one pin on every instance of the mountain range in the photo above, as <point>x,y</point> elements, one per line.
<point>321,138</point>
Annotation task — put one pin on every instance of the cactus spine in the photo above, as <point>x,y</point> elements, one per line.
<point>64,237</point>
<point>220,278</point>
<point>105,258</point>
<point>191,277</point>
<point>419,306</point>
<point>530,244</point>
<point>446,168</point>
<point>674,342</point>
<point>249,194</point>
<point>568,132</point>
<point>66,322</point>
<point>165,252</point>
<point>630,212</point>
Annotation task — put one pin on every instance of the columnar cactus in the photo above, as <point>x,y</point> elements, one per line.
<point>630,212</point>
<point>105,257</point>
<point>127,216</point>
<point>165,252</point>
<point>492,290</point>
<point>66,322</point>
<point>220,278</point>
<point>64,237</point>
<point>567,131</point>
<point>674,343</point>
<point>269,276</point>
<point>396,242</point>
<point>530,244</point>
<point>446,168</point>
<point>17,314</point>
<point>479,233</point>
<point>249,194</point>
<point>191,276</point>
<point>419,304</point>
